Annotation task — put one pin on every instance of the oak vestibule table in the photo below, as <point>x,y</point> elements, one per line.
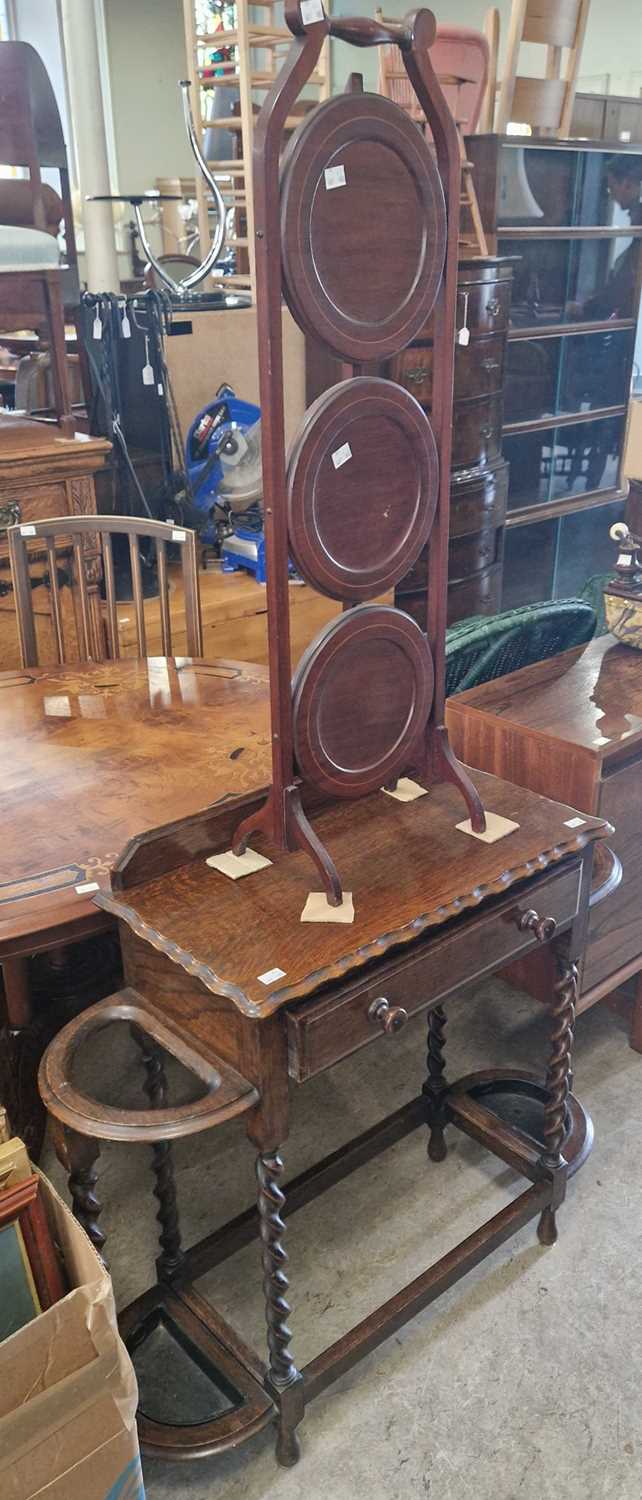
<point>91,755</point>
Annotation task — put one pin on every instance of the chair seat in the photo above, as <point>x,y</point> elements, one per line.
<point>26,249</point>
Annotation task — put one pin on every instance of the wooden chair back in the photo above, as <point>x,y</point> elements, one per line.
<point>94,633</point>
<point>31,136</point>
<point>546,104</point>
<point>459,57</point>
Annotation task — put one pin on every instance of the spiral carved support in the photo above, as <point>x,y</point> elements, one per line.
<point>155,1086</point>
<point>558,1078</point>
<point>283,1377</point>
<point>435,1088</point>
<point>79,1154</point>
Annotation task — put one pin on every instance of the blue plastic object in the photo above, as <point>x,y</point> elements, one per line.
<point>205,471</point>
<point>244,549</point>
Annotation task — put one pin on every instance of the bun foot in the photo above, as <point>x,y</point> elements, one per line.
<point>288,1449</point>
<point>547,1228</point>
<point>437,1148</point>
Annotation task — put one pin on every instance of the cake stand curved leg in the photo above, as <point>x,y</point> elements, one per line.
<point>284,1380</point>
<point>558,1078</point>
<point>259,821</point>
<point>302,834</point>
<point>446,767</point>
<point>435,1088</point>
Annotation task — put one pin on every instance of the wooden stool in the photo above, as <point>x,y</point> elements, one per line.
<point>81,1122</point>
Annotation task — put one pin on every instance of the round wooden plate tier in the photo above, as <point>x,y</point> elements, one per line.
<point>363,226</point>
<point>363,479</point>
<point>362,693</point>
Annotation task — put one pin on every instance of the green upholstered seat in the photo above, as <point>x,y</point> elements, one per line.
<point>27,249</point>
<point>484,647</point>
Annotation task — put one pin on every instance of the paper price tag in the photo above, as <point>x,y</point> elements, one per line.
<point>178,536</point>
<point>575,822</point>
<point>341,455</point>
<point>97,328</point>
<point>271,975</point>
<point>27,531</point>
<point>334,177</point>
<point>89,885</point>
<point>311,10</point>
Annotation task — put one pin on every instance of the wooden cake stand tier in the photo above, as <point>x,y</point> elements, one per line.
<point>363,479</point>
<point>357,172</point>
<point>434,910</point>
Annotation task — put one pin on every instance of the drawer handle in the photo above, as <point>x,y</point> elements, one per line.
<point>390,1018</point>
<point>490,364</point>
<point>9,514</point>
<point>544,928</point>
<point>486,431</point>
<point>416,375</point>
<point>493,307</point>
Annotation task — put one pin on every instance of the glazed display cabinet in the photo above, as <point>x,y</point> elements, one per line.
<point>571,341</point>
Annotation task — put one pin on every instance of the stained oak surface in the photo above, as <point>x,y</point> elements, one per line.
<point>407,865</point>
<point>91,755</point>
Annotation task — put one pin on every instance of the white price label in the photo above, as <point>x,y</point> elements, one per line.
<point>178,536</point>
<point>575,822</point>
<point>27,531</point>
<point>270,976</point>
<point>341,455</point>
<point>89,885</point>
<point>311,10</point>
<point>334,177</point>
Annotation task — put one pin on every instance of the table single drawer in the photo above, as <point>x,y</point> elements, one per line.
<point>323,1031</point>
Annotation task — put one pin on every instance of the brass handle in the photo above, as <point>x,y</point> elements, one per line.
<point>543,928</point>
<point>416,376</point>
<point>390,1018</point>
<point>493,307</point>
<point>490,364</point>
<point>9,514</point>
<point>486,431</point>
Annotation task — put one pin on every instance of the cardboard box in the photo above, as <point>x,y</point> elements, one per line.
<point>68,1391</point>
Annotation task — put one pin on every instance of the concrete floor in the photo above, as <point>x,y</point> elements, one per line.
<point>523,1382</point>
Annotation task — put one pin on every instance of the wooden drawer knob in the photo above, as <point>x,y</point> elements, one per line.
<point>543,928</point>
<point>390,1018</point>
<point>493,307</point>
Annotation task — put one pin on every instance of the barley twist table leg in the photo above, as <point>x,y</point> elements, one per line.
<point>283,1377</point>
<point>435,1088</point>
<point>558,1078</point>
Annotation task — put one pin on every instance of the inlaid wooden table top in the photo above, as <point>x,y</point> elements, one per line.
<point>409,869</point>
<point>91,755</point>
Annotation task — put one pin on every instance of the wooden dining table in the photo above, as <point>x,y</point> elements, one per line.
<point>90,756</point>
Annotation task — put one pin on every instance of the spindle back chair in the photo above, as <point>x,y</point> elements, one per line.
<point>97,626</point>
<point>546,104</point>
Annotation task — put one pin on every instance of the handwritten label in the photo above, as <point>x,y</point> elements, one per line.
<point>27,531</point>
<point>341,455</point>
<point>178,536</point>
<point>334,177</point>
<point>270,976</point>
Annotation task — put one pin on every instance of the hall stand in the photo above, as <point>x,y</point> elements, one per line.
<point>226,976</point>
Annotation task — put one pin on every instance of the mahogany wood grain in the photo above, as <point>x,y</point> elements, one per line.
<point>361,697</point>
<point>343,279</point>
<point>91,755</point>
<point>363,478</point>
<point>573,726</point>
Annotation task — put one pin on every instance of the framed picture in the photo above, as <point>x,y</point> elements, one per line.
<point>30,1272</point>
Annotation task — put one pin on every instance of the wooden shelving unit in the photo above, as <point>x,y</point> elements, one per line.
<point>257,41</point>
